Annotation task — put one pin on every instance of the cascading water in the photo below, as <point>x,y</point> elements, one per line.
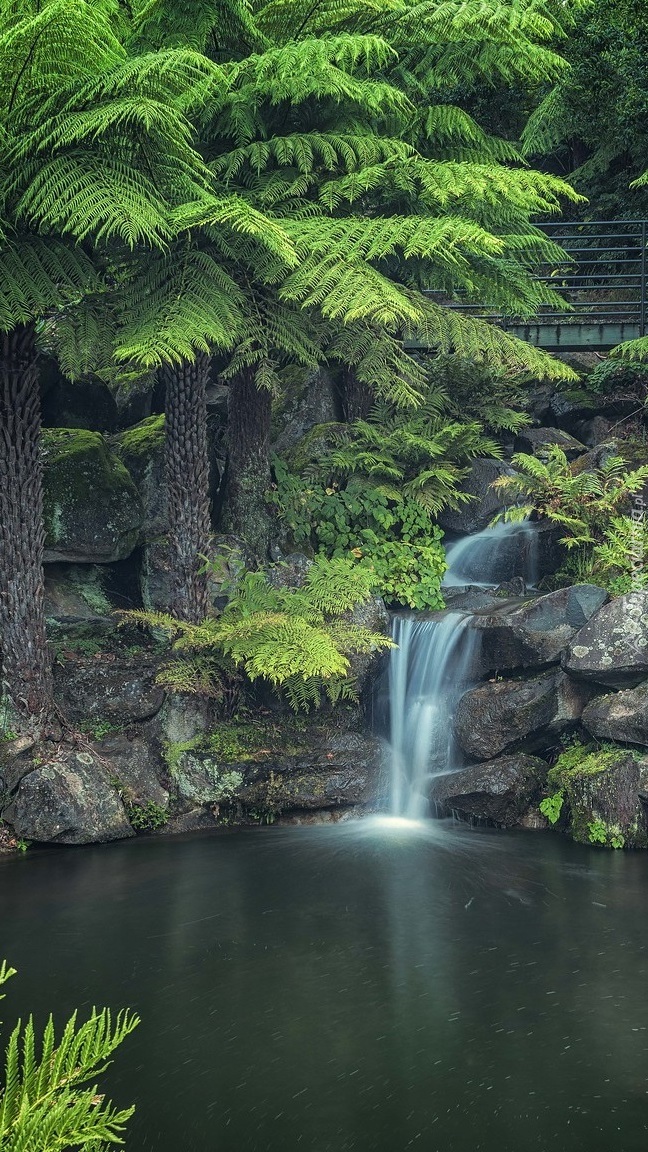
<point>495,554</point>
<point>433,663</point>
<point>428,672</point>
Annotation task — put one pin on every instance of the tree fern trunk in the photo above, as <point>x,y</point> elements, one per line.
<point>26,666</point>
<point>245,512</point>
<point>187,483</point>
<point>357,398</point>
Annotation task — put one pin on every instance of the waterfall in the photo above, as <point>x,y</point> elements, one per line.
<point>495,554</point>
<point>428,672</point>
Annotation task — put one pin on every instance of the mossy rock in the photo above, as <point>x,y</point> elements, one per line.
<point>93,511</point>
<point>141,450</point>
<point>601,787</point>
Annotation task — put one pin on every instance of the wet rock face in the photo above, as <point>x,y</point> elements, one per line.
<point>606,806</point>
<point>494,716</point>
<point>536,633</point>
<point>478,512</point>
<point>612,648</point>
<point>620,716</point>
<point>67,801</point>
<point>92,510</point>
<point>500,792</point>
<point>343,771</point>
<point>118,691</point>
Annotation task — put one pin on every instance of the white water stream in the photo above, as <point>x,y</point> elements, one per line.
<point>433,663</point>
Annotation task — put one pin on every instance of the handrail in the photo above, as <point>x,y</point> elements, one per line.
<point>597,265</point>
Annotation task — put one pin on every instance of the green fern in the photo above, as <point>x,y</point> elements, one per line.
<point>293,638</point>
<point>49,1098</point>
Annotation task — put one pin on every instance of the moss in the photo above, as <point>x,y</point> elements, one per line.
<point>238,741</point>
<point>142,439</point>
<point>581,760</point>
<point>84,485</point>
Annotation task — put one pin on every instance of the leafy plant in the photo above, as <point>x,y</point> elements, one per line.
<point>296,639</point>
<point>49,1098</point>
<point>389,536</point>
<point>593,507</point>
<point>551,806</point>
<point>147,817</point>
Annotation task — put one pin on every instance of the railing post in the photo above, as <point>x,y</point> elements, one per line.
<point>643,270</point>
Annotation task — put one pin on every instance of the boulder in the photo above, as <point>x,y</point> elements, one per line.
<point>118,691</point>
<point>93,513</point>
<point>495,715</point>
<point>619,716</point>
<point>534,633</point>
<point>141,451</point>
<point>485,502</point>
<point>67,800</point>
<point>499,792</point>
<point>85,403</point>
<point>77,592</point>
<point>342,769</point>
<point>603,794</point>
<point>595,431</point>
<point>135,768</point>
<point>535,440</point>
<point>612,647</point>
<point>308,403</point>
<point>156,575</point>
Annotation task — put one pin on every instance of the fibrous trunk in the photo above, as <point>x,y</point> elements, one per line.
<point>245,511</point>
<point>187,484</point>
<point>26,667</point>
<point>357,397</point>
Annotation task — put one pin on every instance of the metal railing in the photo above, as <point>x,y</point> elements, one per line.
<point>604,277</point>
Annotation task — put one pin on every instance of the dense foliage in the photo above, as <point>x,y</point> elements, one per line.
<point>297,639</point>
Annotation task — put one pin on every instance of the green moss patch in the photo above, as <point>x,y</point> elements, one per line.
<point>142,439</point>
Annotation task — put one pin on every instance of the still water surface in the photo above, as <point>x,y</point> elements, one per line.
<point>351,987</point>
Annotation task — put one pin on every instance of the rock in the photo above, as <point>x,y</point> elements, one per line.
<point>619,716</point>
<point>612,648</point>
<point>499,792</point>
<point>594,432</point>
<point>312,401</point>
<point>195,820</point>
<point>231,559</point>
<point>218,400</point>
<point>478,512</point>
<point>141,451</point>
<point>495,715</point>
<point>85,404</point>
<point>289,572</point>
<point>135,768</point>
<point>67,801</point>
<point>596,457</point>
<point>342,769</point>
<point>603,795</point>
<point>570,405</point>
<point>535,633</point>
<point>134,399</point>
<point>536,440</point>
<point>92,510</point>
<point>118,691</point>
<point>76,592</point>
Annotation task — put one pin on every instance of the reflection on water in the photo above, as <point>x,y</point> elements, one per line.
<point>357,987</point>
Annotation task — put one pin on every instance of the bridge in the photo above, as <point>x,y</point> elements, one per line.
<point>604,280</point>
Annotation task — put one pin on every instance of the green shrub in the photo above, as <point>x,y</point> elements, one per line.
<point>147,817</point>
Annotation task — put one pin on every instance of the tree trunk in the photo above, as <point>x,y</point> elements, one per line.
<point>245,511</point>
<point>357,398</point>
<point>26,667</point>
<point>187,484</point>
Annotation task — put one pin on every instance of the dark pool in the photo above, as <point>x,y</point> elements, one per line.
<point>351,987</point>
